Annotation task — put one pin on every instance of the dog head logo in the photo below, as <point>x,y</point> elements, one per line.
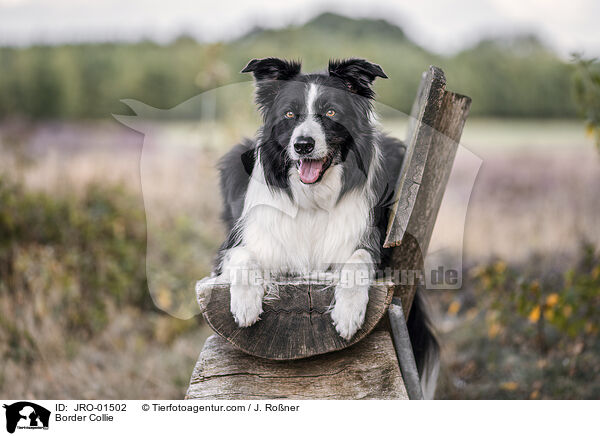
<point>26,415</point>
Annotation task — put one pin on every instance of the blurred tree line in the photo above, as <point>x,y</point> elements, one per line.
<point>517,77</point>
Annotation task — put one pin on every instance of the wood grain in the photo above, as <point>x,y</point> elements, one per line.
<point>367,370</point>
<point>437,121</point>
<point>295,322</point>
<point>419,136</point>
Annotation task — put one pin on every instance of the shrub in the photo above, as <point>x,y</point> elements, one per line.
<point>89,251</point>
<point>565,307</point>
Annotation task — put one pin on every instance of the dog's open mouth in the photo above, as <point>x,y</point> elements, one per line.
<point>312,170</point>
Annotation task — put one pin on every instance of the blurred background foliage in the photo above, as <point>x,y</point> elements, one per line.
<point>537,331</point>
<point>77,319</point>
<point>72,275</point>
<point>516,76</point>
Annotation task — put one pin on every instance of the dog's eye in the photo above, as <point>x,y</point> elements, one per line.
<point>330,113</point>
<point>290,114</point>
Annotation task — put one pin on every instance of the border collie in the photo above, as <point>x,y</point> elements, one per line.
<point>312,193</point>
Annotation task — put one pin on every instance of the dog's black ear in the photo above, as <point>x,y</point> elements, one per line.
<point>357,74</point>
<point>272,69</point>
<point>269,74</point>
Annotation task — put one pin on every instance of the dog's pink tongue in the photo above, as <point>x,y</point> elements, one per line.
<point>310,170</point>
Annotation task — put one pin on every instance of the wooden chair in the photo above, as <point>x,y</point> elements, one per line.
<point>294,351</point>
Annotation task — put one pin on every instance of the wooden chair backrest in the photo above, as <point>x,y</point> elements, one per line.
<point>436,123</point>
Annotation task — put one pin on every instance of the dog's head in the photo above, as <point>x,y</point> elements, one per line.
<point>312,121</point>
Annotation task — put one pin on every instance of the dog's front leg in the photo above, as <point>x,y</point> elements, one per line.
<point>246,286</point>
<point>352,294</point>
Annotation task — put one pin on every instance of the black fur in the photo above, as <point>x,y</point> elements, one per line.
<point>357,75</point>
<point>393,156</point>
<point>422,337</point>
<point>235,169</point>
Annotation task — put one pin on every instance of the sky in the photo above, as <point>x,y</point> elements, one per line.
<point>441,26</point>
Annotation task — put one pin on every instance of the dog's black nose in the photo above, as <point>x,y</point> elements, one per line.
<point>304,144</point>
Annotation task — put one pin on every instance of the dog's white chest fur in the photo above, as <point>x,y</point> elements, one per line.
<point>314,232</point>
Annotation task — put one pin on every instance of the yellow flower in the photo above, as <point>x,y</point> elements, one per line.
<point>454,307</point>
<point>591,328</point>
<point>493,330</point>
<point>590,130</point>
<point>534,315</point>
<point>500,267</point>
<point>163,298</point>
<point>567,311</point>
<point>472,313</point>
<point>487,282</point>
<point>509,386</point>
<point>551,300</point>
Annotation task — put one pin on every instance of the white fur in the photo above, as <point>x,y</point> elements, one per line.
<point>312,233</point>
<point>352,294</point>
<point>429,379</point>
<point>246,287</point>
<point>312,92</point>
<point>310,127</point>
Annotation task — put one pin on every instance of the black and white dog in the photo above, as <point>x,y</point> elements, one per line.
<point>312,192</point>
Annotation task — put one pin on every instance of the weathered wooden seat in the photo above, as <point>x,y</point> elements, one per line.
<point>294,325</point>
<point>247,362</point>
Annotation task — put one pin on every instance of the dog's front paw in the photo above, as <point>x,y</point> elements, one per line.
<point>246,303</point>
<point>348,313</point>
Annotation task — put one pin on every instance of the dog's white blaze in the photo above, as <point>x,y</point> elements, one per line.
<point>310,126</point>
<point>311,97</point>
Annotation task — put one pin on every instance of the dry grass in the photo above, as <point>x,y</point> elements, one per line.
<point>135,357</point>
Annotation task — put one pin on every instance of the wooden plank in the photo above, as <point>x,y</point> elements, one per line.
<point>419,135</point>
<point>448,130</point>
<point>437,121</point>
<point>367,370</point>
<point>295,323</point>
